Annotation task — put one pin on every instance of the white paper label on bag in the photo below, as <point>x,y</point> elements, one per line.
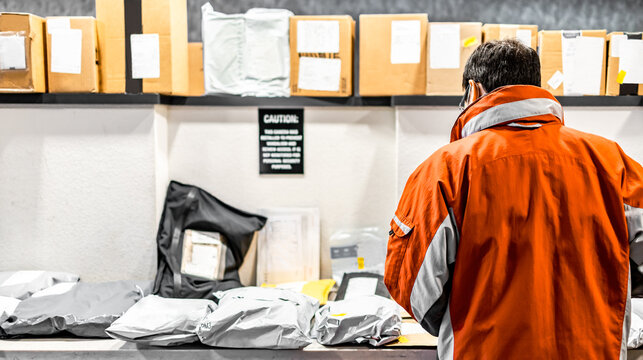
<point>444,51</point>
<point>146,61</point>
<point>405,42</point>
<point>632,61</point>
<point>58,23</point>
<point>582,64</point>
<point>12,53</point>
<point>66,51</point>
<point>615,44</point>
<point>555,80</point>
<point>319,74</point>
<point>318,36</point>
<point>524,36</point>
<point>360,286</point>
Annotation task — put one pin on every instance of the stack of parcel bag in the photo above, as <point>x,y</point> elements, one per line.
<point>191,300</point>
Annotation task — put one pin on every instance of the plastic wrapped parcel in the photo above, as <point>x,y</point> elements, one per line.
<point>161,321</point>
<point>253,317</point>
<point>85,310</point>
<point>371,319</point>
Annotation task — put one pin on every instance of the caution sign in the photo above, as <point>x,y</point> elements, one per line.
<point>281,141</point>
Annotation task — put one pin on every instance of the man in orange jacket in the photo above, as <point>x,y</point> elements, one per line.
<point>514,240</point>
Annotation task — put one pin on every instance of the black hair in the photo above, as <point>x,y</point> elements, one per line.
<point>502,62</point>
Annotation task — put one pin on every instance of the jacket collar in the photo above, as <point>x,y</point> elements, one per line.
<point>505,105</point>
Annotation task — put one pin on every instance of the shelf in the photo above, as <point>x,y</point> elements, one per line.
<point>80,99</point>
<point>295,101</point>
<point>588,101</point>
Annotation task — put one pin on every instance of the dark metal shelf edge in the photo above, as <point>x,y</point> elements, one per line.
<point>230,100</point>
<point>81,98</point>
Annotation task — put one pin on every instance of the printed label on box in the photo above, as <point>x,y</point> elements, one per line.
<point>555,80</point>
<point>318,36</point>
<point>615,44</point>
<point>444,51</point>
<point>405,41</point>
<point>12,52</point>
<point>66,51</point>
<point>582,64</point>
<point>146,63</point>
<point>319,74</point>
<point>632,61</point>
<point>524,36</point>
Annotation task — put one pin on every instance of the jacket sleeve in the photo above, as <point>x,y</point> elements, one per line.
<point>632,190</point>
<point>422,245</point>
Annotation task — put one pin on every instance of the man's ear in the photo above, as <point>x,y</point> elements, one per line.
<point>474,92</point>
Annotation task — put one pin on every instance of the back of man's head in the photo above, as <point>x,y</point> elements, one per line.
<point>503,62</point>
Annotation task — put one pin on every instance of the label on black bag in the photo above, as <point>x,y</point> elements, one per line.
<point>281,141</point>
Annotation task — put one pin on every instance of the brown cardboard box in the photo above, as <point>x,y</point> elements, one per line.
<point>87,79</point>
<point>551,58</point>
<point>169,19</point>
<point>33,79</point>
<point>345,55</point>
<point>118,19</point>
<point>110,15</point>
<point>449,81</point>
<point>195,80</point>
<point>613,87</point>
<point>378,76</point>
<point>503,31</point>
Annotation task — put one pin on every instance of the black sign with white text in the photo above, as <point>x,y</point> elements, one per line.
<point>281,141</point>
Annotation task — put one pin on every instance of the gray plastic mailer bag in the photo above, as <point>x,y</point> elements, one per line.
<point>370,319</point>
<point>263,318</point>
<point>21,284</point>
<point>161,321</point>
<point>86,310</point>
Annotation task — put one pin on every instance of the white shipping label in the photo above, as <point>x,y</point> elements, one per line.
<point>615,44</point>
<point>66,51</point>
<point>146,60</point>
<point>58,23</point>
<point>319,74</point>
<point>555,80</point>
<point>632,61</point>
<point>582,65</point>
<point>318,36</point>
<point>524,36</point>
<point>405,41</point>
<point>203,262</point>
<point>12,53</point>
<point>444,51</point>
<point>360,286</point>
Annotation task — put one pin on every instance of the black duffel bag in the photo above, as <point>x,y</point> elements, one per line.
<point>193,211</point>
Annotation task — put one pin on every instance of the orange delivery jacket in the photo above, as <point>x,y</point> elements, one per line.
<point>514,240</point>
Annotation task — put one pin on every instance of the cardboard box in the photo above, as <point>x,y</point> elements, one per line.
<point>195,80</point>
<point>328,64</point>
<point>33,77</point>
<point>615,84</point>
<point>527,34</point>
<point>551,61</point>
<point>166,73</point>
<point>72,63</point>
<point>444,72</point>
<point>388,64</point>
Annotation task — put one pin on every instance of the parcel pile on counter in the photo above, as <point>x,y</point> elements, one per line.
<point>142,47</point>
<point>197,295</point>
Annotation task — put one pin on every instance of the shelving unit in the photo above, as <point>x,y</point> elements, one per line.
<point>230,100</point>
